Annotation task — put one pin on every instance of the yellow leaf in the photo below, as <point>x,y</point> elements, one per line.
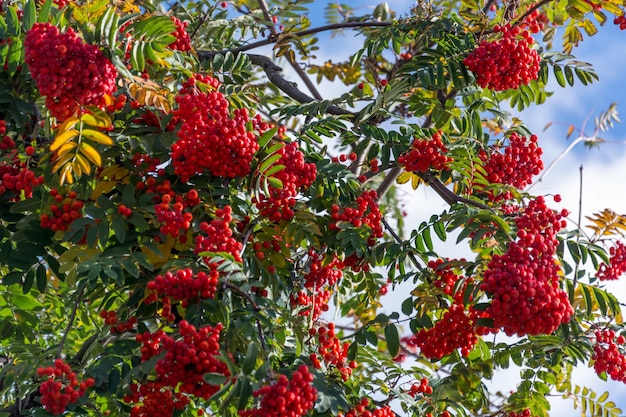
<point>96,119</point>
<point>415,181</point>
<point>61,162</point>
<point>68,124</point>
<point>102,187</point>
<point>76,169</point>
<point>91,153</point>
<point>62,138</point>
<point>166,252</point>
<point>66,174</point>
<point>97,136</point>
<point>84,165</point>
<point>65,148</point>
<point>404,177</point>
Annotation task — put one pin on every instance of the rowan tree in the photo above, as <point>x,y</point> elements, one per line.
<point>187,230</point>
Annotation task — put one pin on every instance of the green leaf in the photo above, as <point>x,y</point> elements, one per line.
<point>44,12</point>
<point>558,73</point>
<point>393,339</point>
<point>30,15</point>
<point>42,279</point>
<point>119,228</point>
<point>250,360</point>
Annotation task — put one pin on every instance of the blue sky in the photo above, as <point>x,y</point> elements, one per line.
<point>604,169</point>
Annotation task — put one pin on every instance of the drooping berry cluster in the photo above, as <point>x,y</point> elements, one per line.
<point>455,330</point>
<point>364,213</point>
<point>505,63</point>
<point>425,154</point>
<point>17,178</point>
<point>322,273</point>
<point>174,221</point>
<point>518,164</point>
<point>420,388</point>
<point>360,410</point>
<point>209,140</point>
<point>311,303</point>
<point>331,351</point>
<point>285,398</point>
<point>154,399</point>
<point>183,41</point>
<point>64,211</point>
<point>218,235</point>
<point>184,285</point>
<point>296,176</point>
<point>607,355</point>
<point>617,263</point>
<point>67,71</point>
<point>187,359</point>
<point>62,388</point>
<point>111,319</point>
<point>524,281</point>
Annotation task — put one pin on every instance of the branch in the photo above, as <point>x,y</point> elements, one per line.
<point>273,73</point>
<point>447,195</point>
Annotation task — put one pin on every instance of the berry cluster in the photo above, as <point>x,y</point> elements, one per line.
<point>297,175</point>
<point>620,21</point>
<point>331,351</point>
<point>617,263</point>
<point>174,221</point>
<point>184,286</point>
<point>607,356</point>
<point>272,243</point>
<point>322,273</point>
<point>61,388</point>
<point>187,359</point>
<point>154,399</point>
<point>524,281</point>
<point>111,319</point>
<point>209,140</point>
<point>456,330</point>
<point>506,63</point>
<point>422,388</point>
<point>447,279</point>
<point>219,236</point>
<point>518,164</point>
<point>118,104</point>
<point>64,211</point>
<point>360,410</point>
<point>67,71</point>
<point>285,398</point>
<point>16,178</point>
<point>425,154</point>
<point>313,304</point>
<point>365,213</point>
<point>183,41</point>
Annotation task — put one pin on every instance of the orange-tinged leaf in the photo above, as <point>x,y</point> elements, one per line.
<point>91,153</point>
<point>62,138</point>
<point>97,136</point>
<point>570,130</point>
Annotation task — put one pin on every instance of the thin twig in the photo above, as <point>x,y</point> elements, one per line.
<point>272,39</point>
<point>580,213</point>
<point>401,242</point>
<point>70,321</point>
